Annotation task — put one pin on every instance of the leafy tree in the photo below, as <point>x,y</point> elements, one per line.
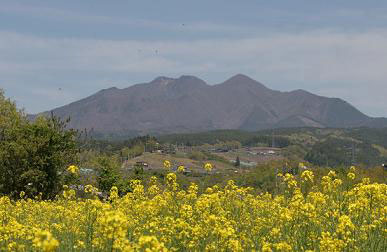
<point>10,116</point>
<point>108,171</point>
<point>33,155</point>
<point>125,153</point>
<point>136,150</point>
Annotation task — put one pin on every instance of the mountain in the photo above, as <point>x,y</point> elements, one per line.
<point>188,104</point>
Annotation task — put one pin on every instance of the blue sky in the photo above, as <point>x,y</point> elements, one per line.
<point>56,52</point>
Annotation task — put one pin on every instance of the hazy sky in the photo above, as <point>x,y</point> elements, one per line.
<point>55,52</point>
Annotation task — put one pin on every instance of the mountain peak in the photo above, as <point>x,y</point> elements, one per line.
<point>186,84</point>
<point>190,79</point>
<point>184,79</point>
<point>241,79</point>
<point>162,80</point>
<point>187,103</point>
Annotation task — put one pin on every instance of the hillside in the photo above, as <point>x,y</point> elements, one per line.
<point>330,146</point>
<point>188,104</point>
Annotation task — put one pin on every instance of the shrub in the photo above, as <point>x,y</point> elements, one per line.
<point>197,155</point>
<point>108,171</point>
<point>33,155</point>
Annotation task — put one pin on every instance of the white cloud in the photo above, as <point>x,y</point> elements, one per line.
<point>348,65</point>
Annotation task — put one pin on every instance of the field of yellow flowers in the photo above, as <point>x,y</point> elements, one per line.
<point>308,215</point>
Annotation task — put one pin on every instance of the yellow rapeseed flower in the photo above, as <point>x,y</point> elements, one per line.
<point>208,167</point>
<point>151,243</point>
<point>332,174</point>
<point>45,241</point>
<point>301,165</point>
<point>351,175</point>
<point>73,169</point>
<point>307,176</point>
<point>163,216</point>
<point>113,193</point>
<point>90,189</point>
<point>180,168</point>
<point>167,164</point>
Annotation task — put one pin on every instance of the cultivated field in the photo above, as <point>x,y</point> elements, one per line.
<point>306,215</point>
<point>155,161</point>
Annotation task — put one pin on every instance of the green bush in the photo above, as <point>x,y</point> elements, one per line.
<point>33,155</point>
<point>108,168</point>
<point>197,155</point>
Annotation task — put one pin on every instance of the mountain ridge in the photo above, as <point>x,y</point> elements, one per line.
<point>189,104</point>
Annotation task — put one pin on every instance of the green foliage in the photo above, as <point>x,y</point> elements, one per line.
<point>295,152</point>
<point>337,152</point>
<point>230,145</point>
<point>136,150</point>
<point>33,155</point>
<point>108,168</point>
<point>213,157</point>
<point>232,137</point>
<point>266,140</point>
<point>375,136</point>
<point>112,146</point>
<point>197,155</point>
<point>211,137</point>
<point>10,116</point>
<point>138,170</point>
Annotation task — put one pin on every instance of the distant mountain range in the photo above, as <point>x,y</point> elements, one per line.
<point>188,104</point>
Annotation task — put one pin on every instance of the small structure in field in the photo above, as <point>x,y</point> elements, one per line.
<point>142,164</point>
